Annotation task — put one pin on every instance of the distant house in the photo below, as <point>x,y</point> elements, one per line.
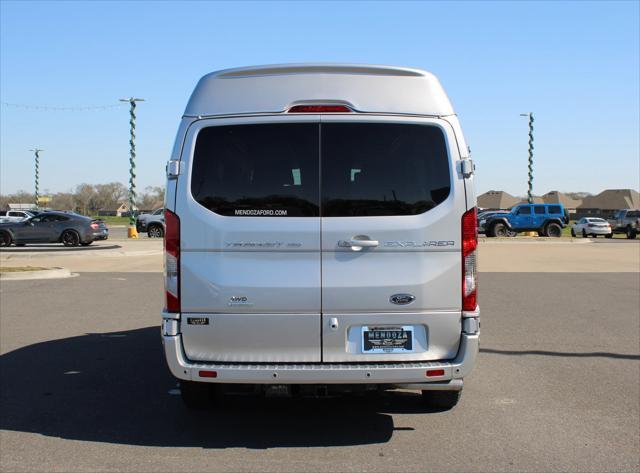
<point>536,200</point>
<point>121,211</point>
<point>496,200</point>
<point>557,197</point>
<point>21,206</point>
<point>607,202</point>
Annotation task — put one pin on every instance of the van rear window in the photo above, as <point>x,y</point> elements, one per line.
<point>375,169</point>
<point>267,170</point>
<point>273,170</point>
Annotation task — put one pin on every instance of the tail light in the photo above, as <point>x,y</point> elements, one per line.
<point>95,225</point>
<point>469,260</point>
<point>172,261</point>
<point>319,109</point>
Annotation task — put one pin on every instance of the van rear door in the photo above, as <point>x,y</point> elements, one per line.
<point>250,240</point>
<point>391,216</point>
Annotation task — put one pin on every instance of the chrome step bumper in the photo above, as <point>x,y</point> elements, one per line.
<point>411,375</point>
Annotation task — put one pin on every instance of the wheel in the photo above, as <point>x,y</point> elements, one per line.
<point>441,399</point>
<point>609,235</point>
<point>511,233</point>
<point>500,229</point>
<point>155,231</point>
<point>584,234</point>
<point>631,233</point>
<point>553,230</point>
<point>5,239</point>
<point>86,243</point>
<point>195,395</point>
<point>70,238</point>
<point>573,233</point>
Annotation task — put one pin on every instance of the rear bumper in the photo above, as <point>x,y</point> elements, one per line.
<point>409,375</point>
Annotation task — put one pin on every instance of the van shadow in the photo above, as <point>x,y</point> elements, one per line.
<point>116,388</point>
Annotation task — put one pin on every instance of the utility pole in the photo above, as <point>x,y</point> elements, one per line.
<point>37,153</point>
<point>132,232</point>
<point>530,180</point>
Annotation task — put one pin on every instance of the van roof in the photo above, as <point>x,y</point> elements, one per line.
<point>276,88</point>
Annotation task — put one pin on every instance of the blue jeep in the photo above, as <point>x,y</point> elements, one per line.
<point>546,219</point>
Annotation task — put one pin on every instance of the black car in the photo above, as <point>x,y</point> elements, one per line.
<point>53,227</point>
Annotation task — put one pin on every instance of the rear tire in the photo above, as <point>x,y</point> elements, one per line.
<point>631,233</point>
<point>499,230</point>
<point>155,231</point>
<point>195,395</point>
<point>584,234</point>
<point>553,230</point>
<point>609,235</point>
<point>441,399</point>
<point>70,238</point>
<point>5,239</point>
<point>573,233</point>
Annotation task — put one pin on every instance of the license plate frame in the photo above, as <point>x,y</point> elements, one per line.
<point>388,339</point>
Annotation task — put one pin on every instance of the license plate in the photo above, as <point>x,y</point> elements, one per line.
<point>387,339</point>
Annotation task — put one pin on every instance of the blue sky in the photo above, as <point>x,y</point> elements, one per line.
<point>574,64</point>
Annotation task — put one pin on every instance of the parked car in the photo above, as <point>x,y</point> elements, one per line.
<point>482,220</point>
<point>101,229</point>
<point>15,215</point>
<point>546,219</point>
<point>53,227</point>
<point>374,289</point>
<point>152,223</point>
<point>587,226</point>
<point>626,221</point>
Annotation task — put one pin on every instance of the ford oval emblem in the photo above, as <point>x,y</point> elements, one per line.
<point>402,299</point>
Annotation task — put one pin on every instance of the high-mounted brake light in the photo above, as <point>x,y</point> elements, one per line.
<point>172,261</point>
<point>319,109</point>
<point>469,260</point>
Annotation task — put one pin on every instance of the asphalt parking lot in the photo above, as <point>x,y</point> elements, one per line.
<point>557,387</point>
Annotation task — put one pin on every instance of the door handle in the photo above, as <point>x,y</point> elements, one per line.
<point>358,242</point>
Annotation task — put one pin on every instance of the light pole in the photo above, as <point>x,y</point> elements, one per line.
<point>530,180</point>
<point>37,153</point>
<point>132,232</point>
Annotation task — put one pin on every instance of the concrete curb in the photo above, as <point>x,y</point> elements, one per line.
<point>53,273</point>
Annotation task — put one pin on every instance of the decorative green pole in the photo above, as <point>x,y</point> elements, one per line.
<point>132,232</point>
<point>530,180</point>
<point>37,153</point>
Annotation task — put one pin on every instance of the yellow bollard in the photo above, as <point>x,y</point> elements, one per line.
<point>132,232</point>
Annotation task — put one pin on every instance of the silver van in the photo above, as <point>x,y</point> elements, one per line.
<point>321,235</point>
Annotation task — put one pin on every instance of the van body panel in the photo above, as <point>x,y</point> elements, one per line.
<point>251,265</point>
<point>364,281</point>
<point>371,89</point>
<point>418,255</point>
<point>436,335</point>
<point>250,281</point>
<point>257,338</point>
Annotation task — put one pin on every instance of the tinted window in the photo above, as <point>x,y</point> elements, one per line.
<point>539,210</point>
<point>633,214</point>
<point>371,169</point>
<point>554,209</point>
<point>524,211</point>
<point>258,170</point>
